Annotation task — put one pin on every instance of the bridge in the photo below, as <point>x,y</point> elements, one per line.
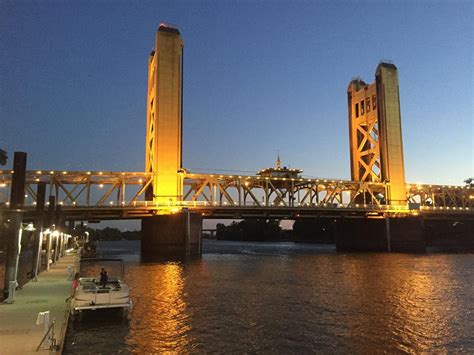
<point>375,210</point>
<point>92,195</point>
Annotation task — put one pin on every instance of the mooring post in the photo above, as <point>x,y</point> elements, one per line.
<point>59,229</point>
<point>49,224</point>
<point>17,199</point>
<point>38,233</point>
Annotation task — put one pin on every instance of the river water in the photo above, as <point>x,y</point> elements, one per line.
<point>286,298</point>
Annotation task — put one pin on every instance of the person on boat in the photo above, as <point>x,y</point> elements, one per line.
<point>103,278</point>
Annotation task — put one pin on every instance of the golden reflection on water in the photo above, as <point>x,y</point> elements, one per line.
<point>161,311</point>
<point>404,301</point>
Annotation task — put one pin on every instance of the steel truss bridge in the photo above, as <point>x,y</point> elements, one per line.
<point>91,195</point>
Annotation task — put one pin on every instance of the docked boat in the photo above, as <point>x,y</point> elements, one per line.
<point>94,293</point>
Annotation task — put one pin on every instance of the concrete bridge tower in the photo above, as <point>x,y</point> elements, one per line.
<point>165,116</point>
<point>174,231</point>
<point>375,132</point>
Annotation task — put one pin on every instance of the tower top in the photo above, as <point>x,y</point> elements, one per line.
<point>168,27</point>
<point>278,162</point>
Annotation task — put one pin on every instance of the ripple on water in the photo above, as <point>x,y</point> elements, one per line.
<point>289,298</point>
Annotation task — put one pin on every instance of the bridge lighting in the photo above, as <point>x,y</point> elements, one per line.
<point>37,179</point>
<point>140,180</point>
<point>51,172</point>
<point>88,173</point>
<point>7,203</point>
<point>101,185</point>
<point>100,173</point>
<point>3,185</point>
<point>61,203</point>
<point>73,203</point>
<point>111,203</point>
<point>39,172</point>
<point>34,203</point>
<point>64,172</point>
<point>471,197</point>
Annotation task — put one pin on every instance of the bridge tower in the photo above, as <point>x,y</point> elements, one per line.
<point>173,232</point>
<point>165,116</point>
<point>375,132</point>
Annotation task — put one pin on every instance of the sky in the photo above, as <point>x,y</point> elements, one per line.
<point>259,77</point>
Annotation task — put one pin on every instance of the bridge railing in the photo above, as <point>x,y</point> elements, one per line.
<point>87,189</point>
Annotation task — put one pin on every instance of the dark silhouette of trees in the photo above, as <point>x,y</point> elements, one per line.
<point>259,230</point>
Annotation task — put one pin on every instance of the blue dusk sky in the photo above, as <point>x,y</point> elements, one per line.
<point>259,76</point>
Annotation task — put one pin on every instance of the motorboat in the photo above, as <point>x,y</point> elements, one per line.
<point>92,294</point>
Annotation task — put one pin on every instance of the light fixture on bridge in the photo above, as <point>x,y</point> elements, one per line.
<point>3,185</point>
<point>101,185</point>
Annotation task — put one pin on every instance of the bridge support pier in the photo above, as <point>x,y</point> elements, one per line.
<point>175,235</point>
<point>404,234</point>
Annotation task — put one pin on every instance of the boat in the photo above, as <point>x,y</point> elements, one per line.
<point>92,295</point>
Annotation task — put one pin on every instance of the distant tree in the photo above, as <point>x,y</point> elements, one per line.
<point>3,157</point>
<point>470,182</point>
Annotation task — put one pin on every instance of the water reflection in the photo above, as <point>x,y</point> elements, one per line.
<point>161,309</point>
<point>293,299</point>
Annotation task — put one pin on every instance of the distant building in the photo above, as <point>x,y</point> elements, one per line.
<point>280,172</point>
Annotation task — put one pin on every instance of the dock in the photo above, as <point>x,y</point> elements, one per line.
<point>19,333</point>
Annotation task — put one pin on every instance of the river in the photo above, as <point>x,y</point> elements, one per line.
<point>286,298</point>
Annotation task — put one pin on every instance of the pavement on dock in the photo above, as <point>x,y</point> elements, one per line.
<point>19,333</point>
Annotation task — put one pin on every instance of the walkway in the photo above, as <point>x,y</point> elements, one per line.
<point>19,333</point>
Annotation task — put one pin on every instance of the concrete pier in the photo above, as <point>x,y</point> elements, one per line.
<point>405,234</point>
<point>175,235</point>
<point>19,333</point>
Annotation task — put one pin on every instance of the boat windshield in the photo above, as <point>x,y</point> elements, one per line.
<point>93,267</point>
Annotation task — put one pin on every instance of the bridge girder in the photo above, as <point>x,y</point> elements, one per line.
<point>117,195</point>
